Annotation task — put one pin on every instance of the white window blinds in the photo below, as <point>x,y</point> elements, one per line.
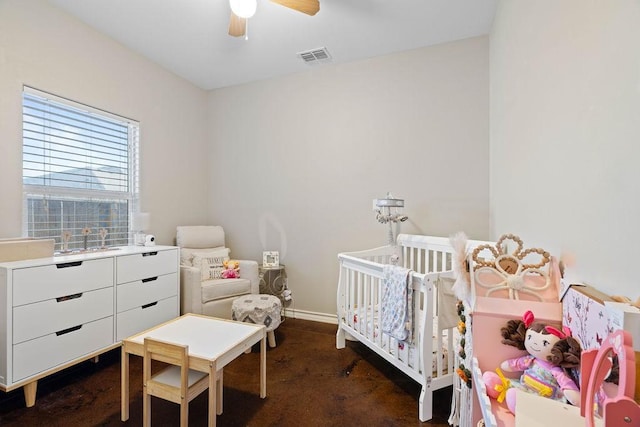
<point>79,171</point>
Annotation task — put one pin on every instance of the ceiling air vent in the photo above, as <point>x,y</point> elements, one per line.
<point>315,56</point>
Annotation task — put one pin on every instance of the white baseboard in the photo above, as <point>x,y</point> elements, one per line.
<point>311,315</point>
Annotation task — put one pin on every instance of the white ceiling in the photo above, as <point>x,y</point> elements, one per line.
<point>189,37</point>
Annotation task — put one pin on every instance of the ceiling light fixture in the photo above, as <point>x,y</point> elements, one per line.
<point>243,8</point>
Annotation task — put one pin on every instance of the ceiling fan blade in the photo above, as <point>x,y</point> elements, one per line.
<point>310,7</point>
<point>237,26</point>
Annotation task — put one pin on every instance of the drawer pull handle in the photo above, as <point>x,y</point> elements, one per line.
<point>66,331</point>
<point>150,253</point>
<point>150,279</point>
<point>68,297</point>
<point>69,264</point>
<point>151,304</point>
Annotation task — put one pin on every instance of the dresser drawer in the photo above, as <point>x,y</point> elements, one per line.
<point>141,318</point>
<point>51,281</point>
<point>141,292</point>
<point>46,317</point>
<point>149,264</point>
<point>38,355</point>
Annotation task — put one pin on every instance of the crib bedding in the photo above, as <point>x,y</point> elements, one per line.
<point>396,315</point>
<point>407,352</point>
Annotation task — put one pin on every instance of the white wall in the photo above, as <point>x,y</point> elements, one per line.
<point>565,133</point>
<point>297,160</point>
<point>45,48</point>
<point>288,164</point>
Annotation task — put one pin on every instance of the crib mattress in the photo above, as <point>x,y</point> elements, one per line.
<point>405,350</point>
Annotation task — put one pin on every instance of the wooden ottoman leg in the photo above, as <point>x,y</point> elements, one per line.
<point>272,338</point>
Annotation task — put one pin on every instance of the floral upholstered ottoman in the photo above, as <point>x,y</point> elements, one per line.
<point>260,309</point>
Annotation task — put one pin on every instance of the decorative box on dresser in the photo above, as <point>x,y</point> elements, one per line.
<point>62,310</point>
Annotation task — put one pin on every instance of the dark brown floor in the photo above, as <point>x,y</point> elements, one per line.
<point>309,383</point>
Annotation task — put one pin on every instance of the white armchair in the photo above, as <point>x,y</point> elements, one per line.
<point>200,294</point>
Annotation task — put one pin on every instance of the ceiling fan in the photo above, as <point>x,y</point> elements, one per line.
<point>241,10</point>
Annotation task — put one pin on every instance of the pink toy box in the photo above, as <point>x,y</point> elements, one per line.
<point>492,312</point>
<point>489,316</point>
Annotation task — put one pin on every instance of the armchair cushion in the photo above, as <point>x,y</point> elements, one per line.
<point>191,238</point>
<point>223,288</point>
<point>186,254</point>
<point>210,263</point>
<point>200,236</point>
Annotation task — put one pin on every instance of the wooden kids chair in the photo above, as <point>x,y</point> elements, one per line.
<point>175,383</point>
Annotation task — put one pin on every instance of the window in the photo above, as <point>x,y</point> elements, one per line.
<point>79,170</point>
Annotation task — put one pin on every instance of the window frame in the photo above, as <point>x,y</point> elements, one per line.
<point>131,196</point>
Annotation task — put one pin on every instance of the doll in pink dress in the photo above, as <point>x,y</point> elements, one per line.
<point>545,369</point>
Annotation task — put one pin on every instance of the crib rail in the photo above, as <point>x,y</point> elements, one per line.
<point>426,254</point>
<point>379,255</point>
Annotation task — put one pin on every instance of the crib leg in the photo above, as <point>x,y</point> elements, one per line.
<point>425,409</point>
<point>340,338</point>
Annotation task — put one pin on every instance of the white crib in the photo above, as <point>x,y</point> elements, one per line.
<point>429,358</point>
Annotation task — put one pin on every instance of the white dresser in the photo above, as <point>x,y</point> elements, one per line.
<point>62,310</point>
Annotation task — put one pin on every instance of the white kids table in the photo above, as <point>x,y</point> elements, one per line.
<point>213,343</point>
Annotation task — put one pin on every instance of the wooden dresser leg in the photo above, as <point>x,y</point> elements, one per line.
<point>30,393</point>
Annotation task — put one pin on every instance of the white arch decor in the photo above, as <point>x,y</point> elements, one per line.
<point>508,271</point>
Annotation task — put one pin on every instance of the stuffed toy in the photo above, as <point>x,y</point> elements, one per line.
<point>231,270</point>
<point>546,367</point>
